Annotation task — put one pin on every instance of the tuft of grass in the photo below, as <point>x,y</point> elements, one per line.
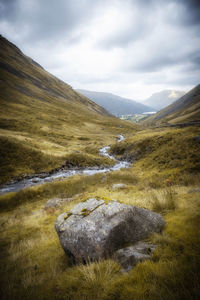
<point>164,200</point>
<point>88,282</point>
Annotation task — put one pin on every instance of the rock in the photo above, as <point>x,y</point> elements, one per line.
<point>128,257</point>
<point>55,202</point>
<point>196,138</point>
<point>195,190</point>
<point>95,229</point>
<point>117,186</point>
<point>52,203</point>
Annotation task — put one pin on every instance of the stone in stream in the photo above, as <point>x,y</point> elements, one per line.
<point>95,229</point>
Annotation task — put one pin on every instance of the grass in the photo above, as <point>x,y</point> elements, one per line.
<point>46,271</point>
<point>164,200</point>
<point>163,149</point>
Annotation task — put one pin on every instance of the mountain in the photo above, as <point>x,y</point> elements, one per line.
<point>116,105</point>
<point>43,120</point>
<point>186,109</point>
<point>163,98</point>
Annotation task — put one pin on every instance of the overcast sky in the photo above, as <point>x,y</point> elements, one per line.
<point>131,48</point>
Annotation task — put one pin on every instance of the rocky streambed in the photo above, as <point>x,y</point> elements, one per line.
<point>64,173</point>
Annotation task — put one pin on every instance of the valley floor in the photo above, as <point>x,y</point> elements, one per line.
<point>164,177</point>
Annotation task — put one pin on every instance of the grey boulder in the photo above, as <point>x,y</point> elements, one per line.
<point>128,257</point>
<point>95,229</point>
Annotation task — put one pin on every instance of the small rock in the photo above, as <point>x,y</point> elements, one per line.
<point>119,186</point>
<point>195,190</point>
<point>55,202</point>
<point>128,257</point>
<point>196,138</point>
<point>35,180</point>
<point>52,203</point>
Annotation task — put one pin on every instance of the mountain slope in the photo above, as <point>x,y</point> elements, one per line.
<point>163,99</point>
<point>114,104</point>
<point>43,120</point>
<point>186,109</point>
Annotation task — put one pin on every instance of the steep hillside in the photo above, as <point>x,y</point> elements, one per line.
<point>163,99</point>
<point>186,109</point>
<point>43,120</point>
<point>116,105</point>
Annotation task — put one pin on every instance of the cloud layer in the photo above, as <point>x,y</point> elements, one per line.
<point>129,47</point>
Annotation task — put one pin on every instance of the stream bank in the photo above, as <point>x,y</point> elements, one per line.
<point>61,174</point>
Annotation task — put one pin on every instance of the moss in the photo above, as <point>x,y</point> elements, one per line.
<point>85,212</point>
<point>106,199</point>
<point>69,214</point>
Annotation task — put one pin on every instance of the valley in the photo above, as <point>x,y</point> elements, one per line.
<point>47,128</point>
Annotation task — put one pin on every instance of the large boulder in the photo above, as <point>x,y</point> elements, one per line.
<point>95,229</point>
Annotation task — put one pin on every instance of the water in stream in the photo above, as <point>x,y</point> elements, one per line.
<point>38,179</point>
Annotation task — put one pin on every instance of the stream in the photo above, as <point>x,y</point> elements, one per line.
<point>61,174</point>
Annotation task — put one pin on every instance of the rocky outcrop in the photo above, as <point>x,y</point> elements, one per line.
<point>95,229</point>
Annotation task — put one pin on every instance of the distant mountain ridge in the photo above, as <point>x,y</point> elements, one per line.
<point>114,104</point>
<point>162,99</point>
<point>185,109</point>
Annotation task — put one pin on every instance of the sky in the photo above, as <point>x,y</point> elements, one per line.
<point>131,48</point>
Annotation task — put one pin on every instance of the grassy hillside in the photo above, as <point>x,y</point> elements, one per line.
<point>186,109</point>
<point>43,120</point>
<point>163,178</point>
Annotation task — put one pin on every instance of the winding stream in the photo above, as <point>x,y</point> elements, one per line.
<point>61,174</point>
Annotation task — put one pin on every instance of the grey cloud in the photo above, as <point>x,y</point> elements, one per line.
<point>192,12</point>
<point>125,37</point>
<point>178,13</point>
<point>8,9</point>
<point>47,20</point>
<point>41,23</point>
<point>161,60</point>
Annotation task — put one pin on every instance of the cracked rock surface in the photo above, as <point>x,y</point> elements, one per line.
<point>95,229</point>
